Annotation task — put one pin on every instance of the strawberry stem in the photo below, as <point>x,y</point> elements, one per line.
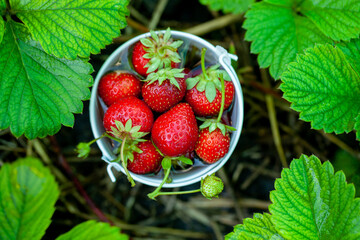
<point>222,98</point>
<point>203,51</point>
<point>124,163</point>
<point>177,193</point>
<point>156,192</point>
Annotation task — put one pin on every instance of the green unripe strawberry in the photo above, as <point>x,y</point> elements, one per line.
<point>211,186</point>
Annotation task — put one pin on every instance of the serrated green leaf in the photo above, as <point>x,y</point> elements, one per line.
<point>28,193</point>
<point>311,202</point>
<point>278,34</point>
<point>339,20</point>
<point>324,88</point>
<point>2,28</point>
<point>228,6</point>
<point>39,92</point>
<point>357,127</point>
<point>73,28</point>
<point>2,7</point>
<point>258,227</point>
<point>352,52</point>
<point>92,230</point>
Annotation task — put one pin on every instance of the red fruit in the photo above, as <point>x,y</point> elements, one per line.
<point>148,161</point>
<point>176,132</point>
<point>160,97</point>
<point>138,61</point>
<point>129,108</point>
<point>155,52</point>
<point>210,147</point>
<point>116,85</point>
<point>202,107</point>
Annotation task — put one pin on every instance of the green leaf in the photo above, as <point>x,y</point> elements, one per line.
<point>92,230</point>
<point>39,92</point>
<point>2,28</point>
<point>2,7</point>
<point>28,193</point>
<point>70,28</point>
<point>324,87</point>
<point>258,227</point>
<point>311,202</point>
<point>339,20</point>
<point>278,34</point>
<point>352,53</point>
<point>210,91</point>
<point>228,6</point>
<point>185,160</point>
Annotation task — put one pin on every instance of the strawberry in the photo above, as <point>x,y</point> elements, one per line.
<point>129,108</point>
<point>164,89</point>
<point>204,90</point>
<point>155,52</point>
<point>147,161</point>
<point>211,146</point>
<point>211,186</point>
<point>202,106</point>
<point>175,132</point>
<point>118,84</point>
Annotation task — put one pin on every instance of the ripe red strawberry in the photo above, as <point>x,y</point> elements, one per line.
<point>204,90</point>
<point>155,52</point>
<point>164,89</point>
<point>211,146</point>
<point>148,161</point>
<point>118,84</point>
<point>176,132</point>
<point>201,105</point>
<point>129,108</point>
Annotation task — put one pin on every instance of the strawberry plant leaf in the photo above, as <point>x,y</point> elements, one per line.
<point>324,87</point>
<point>73,28</point>
<point>311,202</point>
<point>28,193</point>
<point>258,227</point>
<point>339,20</point>
<point>93,230</point>
<point>352,52</point>
<point>2,29</point>
<point>228,6</point>
<point>39,92</point>
<point>278,34</point>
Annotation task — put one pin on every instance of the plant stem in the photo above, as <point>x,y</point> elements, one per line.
<point>203,51</point>
<point>177,193</point>
<point>124,163</point>
<point>76,182</point>
<point>222,98</point>
<point>157,190</point>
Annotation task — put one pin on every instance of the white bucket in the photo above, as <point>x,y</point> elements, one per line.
<point>199,170</point>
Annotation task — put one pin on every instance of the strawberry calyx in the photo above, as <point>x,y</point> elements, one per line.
<point>166,74</point>
<point>129,136</point>
<point>122,131</point>
<point>209,80</point>
<point>161,50</point>
<point>212,123</point>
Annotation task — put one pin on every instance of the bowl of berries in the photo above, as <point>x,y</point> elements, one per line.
<point>166,109</point>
